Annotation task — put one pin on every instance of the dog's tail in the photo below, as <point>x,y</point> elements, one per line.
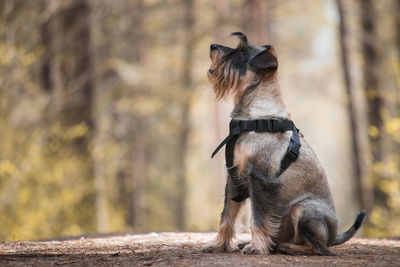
<point>345,236</point>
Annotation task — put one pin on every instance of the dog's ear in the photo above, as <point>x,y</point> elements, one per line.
<point>264,61</point>
<point>243,43</point>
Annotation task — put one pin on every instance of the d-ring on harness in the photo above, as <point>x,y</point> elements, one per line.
<point>236,127</point>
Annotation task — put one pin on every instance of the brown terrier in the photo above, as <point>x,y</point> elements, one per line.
<point>292,206</point>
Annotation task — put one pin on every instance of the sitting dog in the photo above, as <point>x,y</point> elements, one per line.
<point>292,207</point>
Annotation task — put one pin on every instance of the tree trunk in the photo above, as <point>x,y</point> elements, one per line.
<point>397,29</point>
<point>50,76</point>
<point>371,80</point>
<point>48,32</point>
<point>77,69</point>
<point>139,149</point>
<point>363,191</point>
<point>137,132</point>
<point>77,87</point>
<point>375,102</point>
<point>254,21</point>
<point>189,42</point>
<point>66,74</point>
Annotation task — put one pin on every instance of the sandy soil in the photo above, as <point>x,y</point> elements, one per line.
<point>182,249</point>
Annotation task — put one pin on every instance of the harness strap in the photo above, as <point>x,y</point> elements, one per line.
<point>236,127</point>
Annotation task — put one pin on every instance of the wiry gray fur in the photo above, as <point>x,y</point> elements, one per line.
<point>293,213</point>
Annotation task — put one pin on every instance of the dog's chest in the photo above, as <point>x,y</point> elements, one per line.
<point>261,148</point>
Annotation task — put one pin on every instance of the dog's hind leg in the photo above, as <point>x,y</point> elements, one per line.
<point>310,231</point>
<point>316,226</point>
<point>293,249</point>
<point>226,231</point>
<point>265,223</point>
<point>315,234</point>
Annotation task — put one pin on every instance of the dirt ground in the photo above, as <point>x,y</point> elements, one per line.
<point>182,249</point>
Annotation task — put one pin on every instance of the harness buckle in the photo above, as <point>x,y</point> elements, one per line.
<point>261,126</point>
<point>293,150</point>
<point>233,124</point>
<point>292,155</point>
<point>273,124</point>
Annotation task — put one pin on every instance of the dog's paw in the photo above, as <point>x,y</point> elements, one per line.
<point>218,247</point>
<point>249,249</point>
<point>285,248</point>
<point>235,248</point>
<point>242,243</point>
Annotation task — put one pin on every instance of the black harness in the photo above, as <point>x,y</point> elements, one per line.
<point>236,127</point>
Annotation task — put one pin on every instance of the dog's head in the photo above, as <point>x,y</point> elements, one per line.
<point>233,69</point>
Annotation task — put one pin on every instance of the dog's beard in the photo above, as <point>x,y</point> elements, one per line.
<point>224,79</point>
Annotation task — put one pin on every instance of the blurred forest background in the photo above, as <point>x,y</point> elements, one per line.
<point>107,120</point>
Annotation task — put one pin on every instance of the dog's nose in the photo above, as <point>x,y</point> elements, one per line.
<point>213,46</point>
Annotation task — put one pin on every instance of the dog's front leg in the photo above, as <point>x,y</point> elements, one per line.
<point>265,222</point>
<point>226,231</point>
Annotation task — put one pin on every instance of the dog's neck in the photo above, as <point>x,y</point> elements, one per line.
<point>261,99</point>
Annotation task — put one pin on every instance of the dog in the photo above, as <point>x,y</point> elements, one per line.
<point>292,208</point>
